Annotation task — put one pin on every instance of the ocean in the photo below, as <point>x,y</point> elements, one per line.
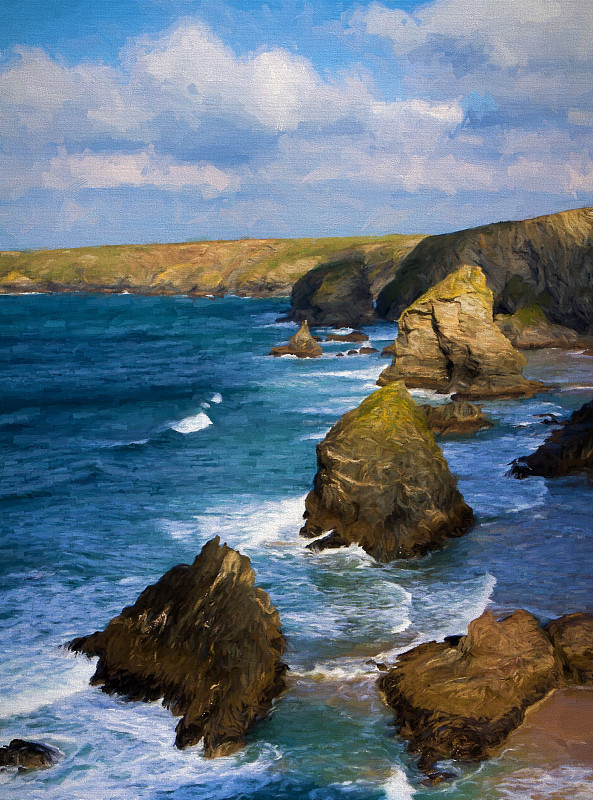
<point>133,430</point>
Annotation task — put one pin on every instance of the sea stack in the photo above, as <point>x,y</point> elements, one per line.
<point>568,450</point>
<point>301,345</point>
<point>203,639</point>
<point>462,697</point>
<point>447,341</point>
<point>456,417</point>
<point>383,483</point>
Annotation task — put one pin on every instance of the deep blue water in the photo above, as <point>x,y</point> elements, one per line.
<point>134,429</point>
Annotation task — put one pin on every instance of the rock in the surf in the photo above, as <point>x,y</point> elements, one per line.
<point>26,755</point>
<point>569,449</point>
<point>530,329</point>
<point>461,698</point>
<point>203,638</point>
<point>355,336</point>
<point>301,345</point>
<point>572,636</point>
<point>383,483</point>
<point>456,417</point>
<point>447,341</point>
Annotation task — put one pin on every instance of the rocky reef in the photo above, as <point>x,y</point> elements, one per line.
<point>301,345</point>
<point>24,755</point>
<point>447,341</point>
<point>383,483</point>
<point>546,262</point>
<point>461,698</point>
<point>456,417</point>
<point>569,449</point>
<point>530,329</point>
<point>205,640</point>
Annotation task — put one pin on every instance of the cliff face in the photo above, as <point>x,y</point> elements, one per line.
<point>247,267</point>
<point>546,261</point>
<point>383,483</point>
<point>447,341</point>
<point>205,640</point>
<point>342,291</point>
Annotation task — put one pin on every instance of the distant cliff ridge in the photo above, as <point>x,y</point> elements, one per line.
<point>545,262</point>
<point>248,267</point>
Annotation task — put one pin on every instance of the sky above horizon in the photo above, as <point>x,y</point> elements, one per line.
<point>177,120</point>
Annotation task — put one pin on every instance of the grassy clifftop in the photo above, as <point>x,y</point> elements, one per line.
<point>251,267</point>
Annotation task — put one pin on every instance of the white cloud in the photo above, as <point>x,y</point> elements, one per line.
<point>101,171</point>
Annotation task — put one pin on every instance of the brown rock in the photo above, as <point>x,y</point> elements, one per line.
<point>458,416</point>
<point>447,341</point>
<point>462,697</point>
<point>301,345</point>
<point>205,640</point>
<point>530,329</point>
<point>572,636</point>
<point>352,353</point>
<point>569,449</point>
<point>383,483</point>
<point>367,350</point>
<point>26,755</point>
<point>355,336</point>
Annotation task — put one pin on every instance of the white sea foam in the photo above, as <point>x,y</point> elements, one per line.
<point>563,782</point>
<point>216,398</point>
<point>192,424</point>
<point>55,687</point>
<point>397,787</point>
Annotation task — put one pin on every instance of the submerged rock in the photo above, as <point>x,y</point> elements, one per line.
<point>569,449</point>
<point>457,416</point>
<point>26,755</point>
<point>530,329</point>
<point>301,345</point>
<point>447,341</point>
<point>383,483</point>
<point>460,698</point>
<point>206,641</point>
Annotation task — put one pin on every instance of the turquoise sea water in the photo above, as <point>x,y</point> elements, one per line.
<point>134,429</point>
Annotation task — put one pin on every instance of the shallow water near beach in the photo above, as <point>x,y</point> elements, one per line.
<point>133,430</point>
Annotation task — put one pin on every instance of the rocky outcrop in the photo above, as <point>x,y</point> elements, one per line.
<point>569,449</point>
<point>24,755</point>
<point>383,483</point>
<point>529,329</point>
<point>301,345</point>
<point>342,291</point>
<point>205,640</point>
<point>572,636</point>
<point>460,698</point>
<point>546,261</point>
<point>447,341</point>
<point>457,417</point>
<point>355,336</point>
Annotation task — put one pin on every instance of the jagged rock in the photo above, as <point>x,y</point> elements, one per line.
<point>568,449</point>
<point>301,345</point>
<point>529,329</point>
<point>572,636</point>
<point>447,341</point>
<point>355,336</point>
<point>205,640</point>
<point>458,416</point>
<point>26,755</point>
<point>460,698</point>
<point>383,483</point>
<point>546,261</point>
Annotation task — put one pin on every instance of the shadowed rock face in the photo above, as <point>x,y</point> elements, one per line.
<point>546,261</point>
<point>301,345</point>
<point>572,636</point>
<point>455,417</point>
<point>205,640</point>
<point>26,755</point>
<point>569,449</point>
<point>529,329</point>
<point>447,341</point>
<point>462,697</point>
<point>383,483</point>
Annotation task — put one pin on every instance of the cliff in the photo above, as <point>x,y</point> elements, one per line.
<point>383,483</point>
<point>546,261</point>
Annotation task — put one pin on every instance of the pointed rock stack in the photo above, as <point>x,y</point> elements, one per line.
<point>448,342</point>
<point>206,641</point>
<point>383,483</point>
<point>301,345</point>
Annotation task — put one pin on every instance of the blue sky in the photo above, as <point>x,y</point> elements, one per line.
<point>172,120</point>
